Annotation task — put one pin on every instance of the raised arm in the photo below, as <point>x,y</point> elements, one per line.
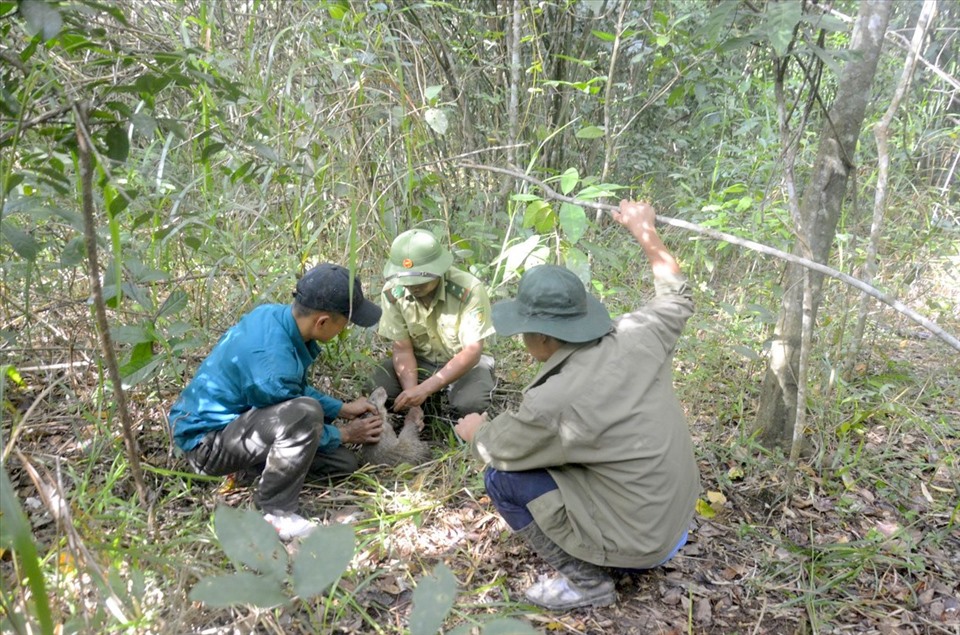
<point>638,217</point>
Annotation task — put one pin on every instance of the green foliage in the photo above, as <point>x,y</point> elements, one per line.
<point>250,542</point>
<point>236,148</point>
<point>320,559</point>
<point>16,535</point>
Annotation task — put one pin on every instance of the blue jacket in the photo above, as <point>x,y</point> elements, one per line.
<point>261,361</point>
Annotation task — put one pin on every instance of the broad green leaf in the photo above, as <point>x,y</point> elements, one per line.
<point>590,132</point>
<point>22,242</point>
<point>175,302</point>
<point>431,92</point>
<point>828,57</point>
<point>508,626</point>
<point>42,17</point>
<point>239,588</point>
<point>211,149</point>
<point>131,334</point>
<point>174,126</point>
<point>143,124</point>
<point>322,558</point>
<point>73,252</point>
<point>143,368</point>
<point>118,146</point>
<point>432,600</point>
<point>573,221</point>
<point>598,191</point>
<point>577,262</point>
<point>338,10</point>
<point>781,20</point>
<point>436,119</point>
<point>718,22</point>
<point>534,212</point>
<point>569,180</point>
<point>516,255</point>
<point>248,539</point>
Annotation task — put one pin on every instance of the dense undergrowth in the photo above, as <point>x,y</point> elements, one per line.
<point>236,144</point>
<point>862,534</point>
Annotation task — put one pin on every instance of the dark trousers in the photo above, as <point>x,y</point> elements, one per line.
<point>470,393</point>
<point>512,491</point>
<point>280,442</point>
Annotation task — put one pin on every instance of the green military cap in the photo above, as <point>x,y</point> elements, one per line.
<point>553,301</point>
<point>416,256</point>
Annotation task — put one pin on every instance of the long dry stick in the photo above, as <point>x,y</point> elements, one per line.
<point>872,291</point>
<point>85,146</point>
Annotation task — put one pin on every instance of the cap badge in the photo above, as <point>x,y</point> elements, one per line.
<point>407,263</point>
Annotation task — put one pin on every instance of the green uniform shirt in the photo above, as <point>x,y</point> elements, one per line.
<point>603,419</point>
<point>458,315</point>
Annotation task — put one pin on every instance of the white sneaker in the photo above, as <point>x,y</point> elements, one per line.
<point>290,525</point>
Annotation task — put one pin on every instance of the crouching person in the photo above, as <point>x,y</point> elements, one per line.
<point>250,408</point>
<point>595,470</point>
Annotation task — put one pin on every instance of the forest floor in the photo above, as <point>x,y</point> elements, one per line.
<point>862,537</point>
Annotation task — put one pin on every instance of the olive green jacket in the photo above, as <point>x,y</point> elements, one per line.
<point>458,315</point>
<point>603,418</point>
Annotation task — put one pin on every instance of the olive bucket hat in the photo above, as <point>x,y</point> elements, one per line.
<point>416,256</point>
<point>552,300</point>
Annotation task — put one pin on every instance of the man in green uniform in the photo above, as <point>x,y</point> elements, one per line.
<point>596,467</point>
<point>437,317</point>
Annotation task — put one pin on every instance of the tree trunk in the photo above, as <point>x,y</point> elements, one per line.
<point>882,133</point>
<point>819,212</point>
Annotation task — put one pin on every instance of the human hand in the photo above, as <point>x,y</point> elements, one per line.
<point>362,430</point>
<point>637,216</point>
<point>415,414</point>
<point>354,409</point>
<point>468,425</point>
<point>410,398</point>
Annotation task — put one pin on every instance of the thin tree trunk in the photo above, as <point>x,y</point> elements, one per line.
<point>819,213</point>
<point>610,140</point>
<point>882,134</point>
<point>100,308</point>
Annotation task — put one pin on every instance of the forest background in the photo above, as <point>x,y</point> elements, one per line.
<point>168,165</point>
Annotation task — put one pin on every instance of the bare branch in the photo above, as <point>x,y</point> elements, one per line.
<point>872,291</point>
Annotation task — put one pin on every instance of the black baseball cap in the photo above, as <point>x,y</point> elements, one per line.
<point>326,287</point>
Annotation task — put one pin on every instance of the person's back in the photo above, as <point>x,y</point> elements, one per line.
<point>595,468</point>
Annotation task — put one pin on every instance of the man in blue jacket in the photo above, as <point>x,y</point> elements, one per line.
<point>250,405</point>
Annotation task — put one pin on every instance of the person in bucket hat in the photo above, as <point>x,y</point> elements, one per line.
<point>249,407</point>
<point>595,470</point>
<point>437,317</point>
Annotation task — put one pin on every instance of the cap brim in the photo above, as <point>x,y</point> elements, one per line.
<point>366,315</point>
<point>508,320</point>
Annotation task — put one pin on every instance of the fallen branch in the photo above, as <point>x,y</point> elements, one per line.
<point>870,290</point>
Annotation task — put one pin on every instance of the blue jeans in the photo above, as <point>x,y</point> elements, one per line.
<point>511,492</point>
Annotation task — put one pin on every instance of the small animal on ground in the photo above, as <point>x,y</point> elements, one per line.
<point>393,448</point>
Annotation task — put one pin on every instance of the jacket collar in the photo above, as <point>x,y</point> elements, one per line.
<point>556,360</point>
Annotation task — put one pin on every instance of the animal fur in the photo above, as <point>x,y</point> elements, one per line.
<point>394,449</point>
